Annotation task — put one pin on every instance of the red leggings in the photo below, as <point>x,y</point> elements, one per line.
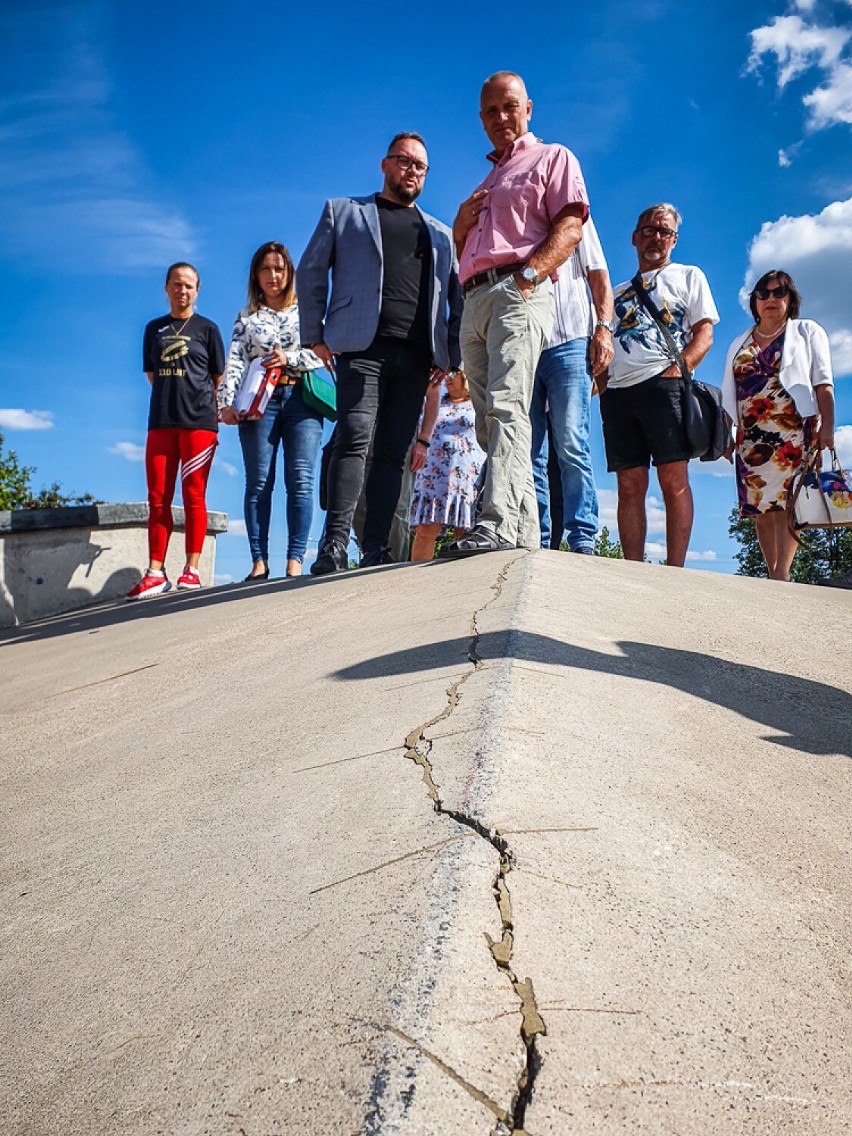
<point>166,449</point>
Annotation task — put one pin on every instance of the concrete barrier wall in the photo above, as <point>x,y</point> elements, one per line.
<point>57,560</point>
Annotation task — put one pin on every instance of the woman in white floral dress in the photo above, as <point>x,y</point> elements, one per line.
<point>445,488</point>
<point>269,329</point>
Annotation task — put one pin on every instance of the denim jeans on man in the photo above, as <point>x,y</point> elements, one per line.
<point>563,382</point>
<point>298,430</point>
<point>380,395</point>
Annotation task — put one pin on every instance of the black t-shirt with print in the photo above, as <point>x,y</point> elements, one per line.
<point>407,264</point>
<point>183,358</point>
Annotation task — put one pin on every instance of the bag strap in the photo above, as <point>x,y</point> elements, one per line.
<point>655,314</point>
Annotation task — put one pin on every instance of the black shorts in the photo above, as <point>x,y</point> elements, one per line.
<point>642,422</point>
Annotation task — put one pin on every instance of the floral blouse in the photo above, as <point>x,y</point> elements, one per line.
<point>256,334</point>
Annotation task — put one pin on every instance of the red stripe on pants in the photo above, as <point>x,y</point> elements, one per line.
<point>164,452</point>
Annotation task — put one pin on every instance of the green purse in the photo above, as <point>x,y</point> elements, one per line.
<point>319,393</point>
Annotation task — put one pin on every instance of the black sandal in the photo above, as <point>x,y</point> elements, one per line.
<point>479,539</point>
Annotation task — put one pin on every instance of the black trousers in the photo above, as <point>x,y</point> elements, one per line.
<point>380,395</point>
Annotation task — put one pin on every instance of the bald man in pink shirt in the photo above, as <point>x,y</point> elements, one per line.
<point>512,233</point>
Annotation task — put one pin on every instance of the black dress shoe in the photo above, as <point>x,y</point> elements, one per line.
<point>333,557</point>
<point>256,576</point>
<point>374,557</point>
<point>478,539</point>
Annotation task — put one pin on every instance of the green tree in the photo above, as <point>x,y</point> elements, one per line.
<point>16,490</point>
<point>822,552</point>
<point>606,546</point>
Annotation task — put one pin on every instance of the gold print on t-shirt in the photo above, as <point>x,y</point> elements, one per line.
<point>174,347</point>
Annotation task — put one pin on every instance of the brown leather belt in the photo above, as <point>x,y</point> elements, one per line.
<point>490,276</point>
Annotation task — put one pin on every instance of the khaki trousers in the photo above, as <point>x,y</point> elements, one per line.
<point>502,338</point>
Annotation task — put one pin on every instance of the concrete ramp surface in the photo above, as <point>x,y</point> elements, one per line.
<point>525,843</point>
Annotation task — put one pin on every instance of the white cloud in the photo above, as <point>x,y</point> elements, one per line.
<point>817,252</point>
<point>832,102</point>
<point>26,419</point>
<point>798,47</point>
<point>843,445</point>
<point>708,554</point>
<point>655,550</point>
<point>226,467</point>
<point>71,183</point>
<point>222,578</point>
<point>608,503</point>
<point>237,528</point>
<point>128,450</point>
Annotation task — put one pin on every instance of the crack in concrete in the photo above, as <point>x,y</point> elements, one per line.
<point>101,681</point>
<point>477,1094</point>
<point>388,863</point>
<point>418,748</point>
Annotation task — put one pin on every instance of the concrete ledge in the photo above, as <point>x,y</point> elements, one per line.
<point>58,560</point>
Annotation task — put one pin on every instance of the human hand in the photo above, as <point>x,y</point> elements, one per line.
<point>525,287</point>
<point>275,358</point>
<point>324,356</point>
<point>230,416</point>
<point>436,376</point>
<point>672,372</point>
<point>601,350</point>
<point>418,456</point>
<point>825,436</point>
<point>467,215</point>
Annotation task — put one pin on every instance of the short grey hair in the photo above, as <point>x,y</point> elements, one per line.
<point>661,207</point>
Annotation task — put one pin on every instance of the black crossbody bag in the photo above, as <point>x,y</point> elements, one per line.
<point>707,424</point>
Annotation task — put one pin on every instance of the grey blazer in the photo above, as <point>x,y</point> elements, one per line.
<point>348,241</point>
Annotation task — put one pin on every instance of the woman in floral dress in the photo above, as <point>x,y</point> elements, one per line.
<point>778,388</point>
<point>445,487</point>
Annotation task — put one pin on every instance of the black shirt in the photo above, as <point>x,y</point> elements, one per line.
<point>183,358</point>
<point>407,259</point>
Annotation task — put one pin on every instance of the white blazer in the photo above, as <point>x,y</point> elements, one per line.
<point>805,364</point>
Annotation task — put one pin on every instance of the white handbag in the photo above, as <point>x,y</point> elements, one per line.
<point>819,498</point>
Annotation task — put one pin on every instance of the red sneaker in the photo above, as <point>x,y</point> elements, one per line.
<point>189,581</point>
<point>149,586</point>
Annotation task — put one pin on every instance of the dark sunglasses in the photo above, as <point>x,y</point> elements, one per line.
<point>779,293</point>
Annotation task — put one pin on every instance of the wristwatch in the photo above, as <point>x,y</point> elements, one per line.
<point>529,274</point>
<point>608,324</point>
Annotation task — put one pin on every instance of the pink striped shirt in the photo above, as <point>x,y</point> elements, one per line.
<point>532,181</point>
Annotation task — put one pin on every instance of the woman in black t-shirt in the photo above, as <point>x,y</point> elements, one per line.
<point>183,357</point>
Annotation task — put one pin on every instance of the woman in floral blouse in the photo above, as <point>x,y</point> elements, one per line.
<point>269,329</point>
<point>778,389</point>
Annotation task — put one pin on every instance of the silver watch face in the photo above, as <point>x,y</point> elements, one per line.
<point>529,274</point>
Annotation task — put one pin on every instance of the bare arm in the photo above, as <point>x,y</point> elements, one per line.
<point>431,406</point>
<point>149,375</point>
<point>694,352</point>
<point>825,401</point>
<point>600,347</point>
<point>563,238</point>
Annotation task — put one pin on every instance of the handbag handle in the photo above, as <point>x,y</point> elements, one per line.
<point>655,314</point>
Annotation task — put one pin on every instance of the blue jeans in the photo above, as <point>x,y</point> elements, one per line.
<point>289,423</point>
<point>563,383</point>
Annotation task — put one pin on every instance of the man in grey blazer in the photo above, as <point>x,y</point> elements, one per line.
<point>390,324</point>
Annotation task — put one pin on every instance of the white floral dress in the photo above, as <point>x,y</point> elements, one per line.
<point>445,488</point>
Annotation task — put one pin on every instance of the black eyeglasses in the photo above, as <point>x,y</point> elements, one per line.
<point>779,292</point>
<point>648,231</point>
<point>406,163</point>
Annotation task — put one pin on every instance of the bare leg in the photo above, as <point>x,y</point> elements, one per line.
<point>677,495</point>
<point>423,547</point>
<point>258,568</point>
<point>632,522</point>
<point>294,567</point>
<point>776,542</point>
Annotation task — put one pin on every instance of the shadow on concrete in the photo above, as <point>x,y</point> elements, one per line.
<point>95,616</point>
<point>810,716</point>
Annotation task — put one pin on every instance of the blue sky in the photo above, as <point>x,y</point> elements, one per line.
<point>135,135</point>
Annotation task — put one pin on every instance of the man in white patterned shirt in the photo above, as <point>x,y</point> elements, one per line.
<point>580,348</point>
